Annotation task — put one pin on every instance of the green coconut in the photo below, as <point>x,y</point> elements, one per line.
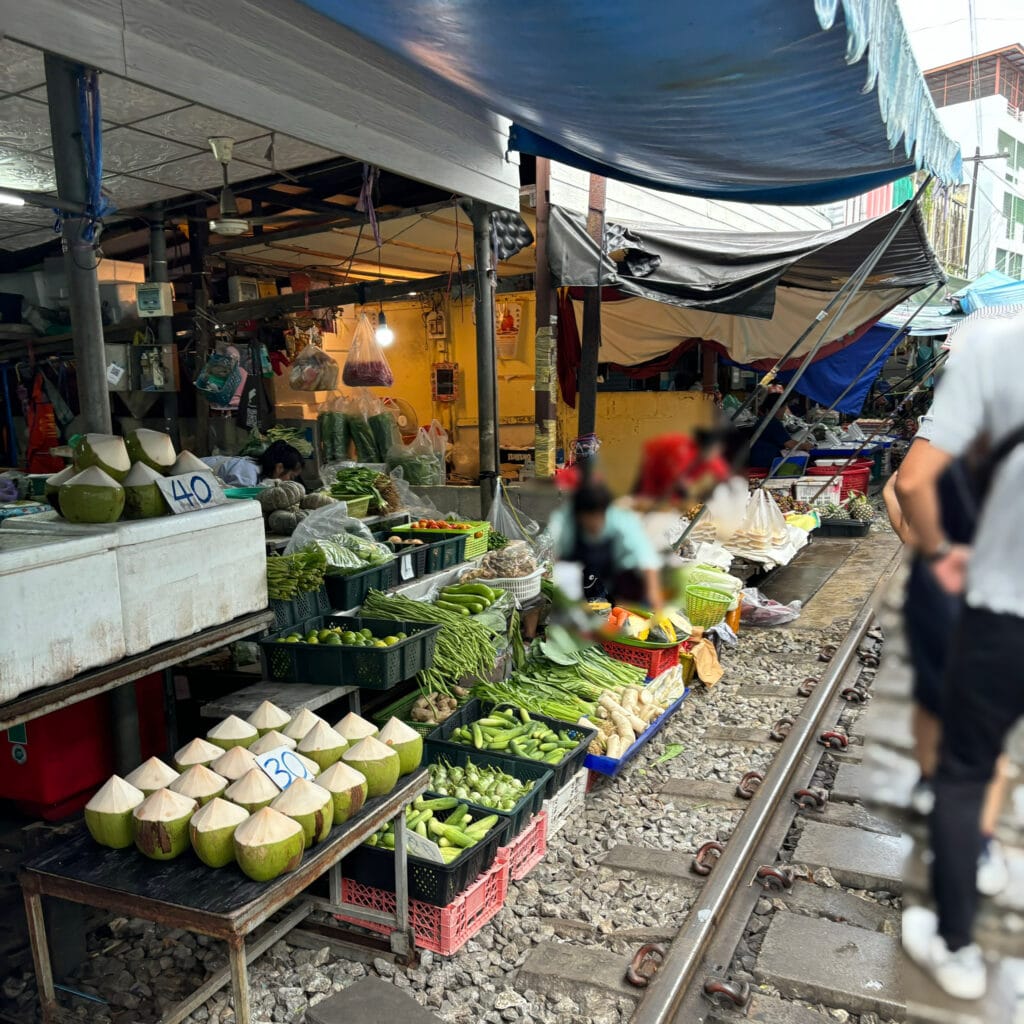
<point>233,732</point>
<point>301,724</point>
<point>151,448</point>
<point>323,745</point>
<point>267,717</point>
<point>268,844</point>
<point>91,496</point>
<point>142,496</point>
<point>253,791</point>
<point>53,484</point>
<point>186,462</point>
<point>108,815</point>
<point>234,763</point>
<point>160,824</point>
<point>347,787</point>
<point>196,751</point>
<point>105,451</point>
<point>151,775</point>
<point>377,762</point>
<point>199,783</point>
<point>355,728</point>
<point>406,741</point>
<point>272,741</point>
<point>212,831</point>
<point>311,806</point>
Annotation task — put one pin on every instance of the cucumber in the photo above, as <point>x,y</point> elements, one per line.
<point>457,609</point>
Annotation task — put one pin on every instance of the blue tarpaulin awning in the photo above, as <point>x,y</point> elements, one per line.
<point>992,289</point>
<point>801,102</point>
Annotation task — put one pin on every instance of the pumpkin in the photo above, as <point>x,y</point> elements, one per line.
<point>283,521</point>
<point>316,500</point>
<point>281,494</point>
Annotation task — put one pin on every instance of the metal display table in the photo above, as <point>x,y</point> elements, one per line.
<point>223,904</point>
<point>289,697</point>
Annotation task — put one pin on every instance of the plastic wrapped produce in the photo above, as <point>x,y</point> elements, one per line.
<point>366,365</point>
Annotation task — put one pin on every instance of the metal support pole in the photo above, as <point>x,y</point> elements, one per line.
<point>79,255</point>
<point>591,339</point>
<point>544,408</point>
<point>486,356</point>
<point>158,272</point>
<point>198,236</point>
<point>970,208</point>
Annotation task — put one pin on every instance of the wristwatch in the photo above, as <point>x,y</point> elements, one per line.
<point>938,553</point>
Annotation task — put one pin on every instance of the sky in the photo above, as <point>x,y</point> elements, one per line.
<point>940,29</point>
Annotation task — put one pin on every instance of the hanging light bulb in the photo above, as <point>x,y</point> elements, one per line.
<point>385,336</point>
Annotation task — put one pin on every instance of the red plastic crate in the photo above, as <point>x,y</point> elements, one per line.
<point>527,850</point>
<point>856,478</point>
<point>654,659</point>
<point>443,930</point>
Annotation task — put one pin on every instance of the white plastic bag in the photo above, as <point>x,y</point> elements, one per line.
<point>758,610</point>
<point>324,523</point>
<point>366,365</point>
<point>728,505</point>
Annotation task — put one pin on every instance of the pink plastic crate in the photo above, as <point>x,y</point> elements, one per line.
<point>443,930</point>
<point>527,850</point>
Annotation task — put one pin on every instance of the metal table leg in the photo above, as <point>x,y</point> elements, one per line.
<point>41,956</point>
<point>239,980</point>
<point>403,941</point>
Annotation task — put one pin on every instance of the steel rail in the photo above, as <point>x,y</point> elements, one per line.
<point>677,973</point>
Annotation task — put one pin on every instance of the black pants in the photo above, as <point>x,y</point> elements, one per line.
<point>983,698</point>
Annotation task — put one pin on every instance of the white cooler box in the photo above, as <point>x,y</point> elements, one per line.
<point>180,574</point>
<point>60,609</point>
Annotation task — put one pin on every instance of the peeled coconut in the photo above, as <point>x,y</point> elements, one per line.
<point>377,762</point>
<point>53,484</point>
<point>268,716</point>
<point>311,766</point>
<point>347,787</point>
<point>252,791</point>
<point>186,462</point>
<point>311,806</point>
<point>107,452</point>
<point>406,741</point>
<point>235,763</point>
<point>91,497</point>
<point>268,844</point>
<point>212,831</point>
<point>233,732</point>
<point>196,752</point>
<point>322,744</point>
<point>199,783</point>
<point>151,775</point>
<point>355,728</point>
<point>108,815</point>
<point>150,448</point>
<point>271,741</point>
<point>160,824</point>
<point>301,724</point>
<point>142,497</point>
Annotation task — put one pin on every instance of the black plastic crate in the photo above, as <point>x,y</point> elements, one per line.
<point>476,709</point>
<point>441,552</point>
<point>535,772</point>
<point>303,606</point>
<point>437,884</point>
<point>347,592</point>
<point>843,528</point>
<point>370,668</point>
<point>410,560</point>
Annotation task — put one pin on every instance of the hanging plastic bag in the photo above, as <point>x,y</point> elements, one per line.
<point>507,521</point>
<point>313,370</point>
<point>758,610</point>
<point>416,505</point>
<point>385,431</point>
<point>727,506</point>
<point>418,461</point>
<point>366,365</point>
<point>332,427</point>
<point>358,410</point>
<point>439,439</point>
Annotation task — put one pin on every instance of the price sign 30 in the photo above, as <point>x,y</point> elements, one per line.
<point>283,767</point>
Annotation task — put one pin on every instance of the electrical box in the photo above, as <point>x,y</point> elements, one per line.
<point>243,289</point>
<point>444,382</point>
<point>154,299</point>
<point>154,367</point>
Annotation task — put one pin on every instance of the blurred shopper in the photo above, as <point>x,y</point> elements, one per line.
<point>930,616</point>
<point>775,442</point>
<point>979,401</point>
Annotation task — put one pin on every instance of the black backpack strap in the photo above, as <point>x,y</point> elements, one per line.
<point>994,459</point>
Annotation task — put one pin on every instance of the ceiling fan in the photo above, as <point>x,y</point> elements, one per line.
<point>229,222</point>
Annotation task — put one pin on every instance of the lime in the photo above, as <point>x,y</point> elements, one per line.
<point>324,634</point>
<point>314,639</point>
<point>333,640</point>
<point>348,637</point>
<point>378,643</point>
<point>390,641</point>
<point>366,634</point>
<point>293,639</point>
<point>403,636</point>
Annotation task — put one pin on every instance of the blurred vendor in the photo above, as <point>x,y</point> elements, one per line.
<point>618,561</point>
<point>279,462</point>
<point>774,442</point>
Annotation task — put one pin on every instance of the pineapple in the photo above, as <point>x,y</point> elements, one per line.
<point>859,508</point>
<point>830,510</point>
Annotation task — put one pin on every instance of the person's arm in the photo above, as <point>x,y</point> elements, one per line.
<point>892,508</point>
<point>652,588</point>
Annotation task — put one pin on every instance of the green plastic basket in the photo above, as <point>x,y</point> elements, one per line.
<point>705,606</point>
<point>240,493</point>
<point>358,507</point>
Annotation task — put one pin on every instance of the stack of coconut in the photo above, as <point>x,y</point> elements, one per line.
<point>111,476</point>
<point>219,800</point>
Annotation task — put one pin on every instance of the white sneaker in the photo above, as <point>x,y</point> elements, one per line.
<point>960,974</point>
<point>922,798</point>
<point>993,873</point>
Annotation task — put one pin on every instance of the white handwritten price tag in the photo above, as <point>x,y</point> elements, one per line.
<point>405,567</point>
<point>422,848</point>
<point>191,491</point>
<point>283,767</point>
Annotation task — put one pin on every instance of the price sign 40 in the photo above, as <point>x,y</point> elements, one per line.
<point>191,491</point>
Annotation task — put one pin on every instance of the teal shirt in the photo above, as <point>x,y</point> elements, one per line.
<point>631,546</point>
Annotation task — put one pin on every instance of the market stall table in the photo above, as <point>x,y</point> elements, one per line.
<point>289,697</point>
<point>223,904</point>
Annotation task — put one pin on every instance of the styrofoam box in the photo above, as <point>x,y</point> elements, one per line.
<point>61,609</point>
<point>180,574</point>
<point>807,487</point>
